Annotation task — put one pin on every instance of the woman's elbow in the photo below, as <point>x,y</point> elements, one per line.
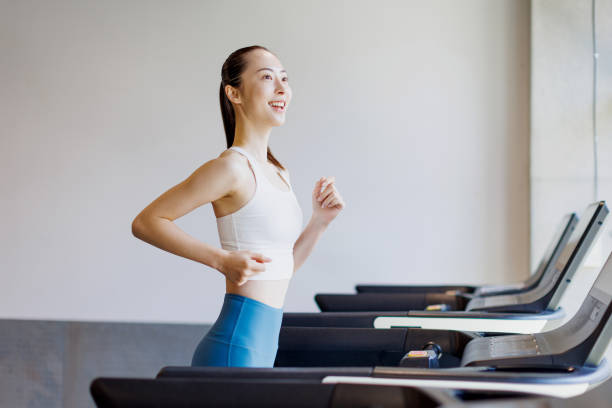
<point>138,227</point>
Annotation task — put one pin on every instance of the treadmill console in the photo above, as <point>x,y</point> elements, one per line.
<point>553,284</point>
<point>584,339</point>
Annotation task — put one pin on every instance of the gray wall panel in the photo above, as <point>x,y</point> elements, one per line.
<point>51,364</point>
<point>31,361</point>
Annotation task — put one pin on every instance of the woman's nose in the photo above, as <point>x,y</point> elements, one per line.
<point>281,86</point>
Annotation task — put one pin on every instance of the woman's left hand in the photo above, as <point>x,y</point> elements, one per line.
<point>328,203</point>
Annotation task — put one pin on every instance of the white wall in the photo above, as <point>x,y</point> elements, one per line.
<point>420,109</point>
<point>562,115</point>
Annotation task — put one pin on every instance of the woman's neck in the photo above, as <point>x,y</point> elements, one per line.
<point>253,140</point>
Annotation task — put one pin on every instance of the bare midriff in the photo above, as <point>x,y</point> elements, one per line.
<point>270,292</point>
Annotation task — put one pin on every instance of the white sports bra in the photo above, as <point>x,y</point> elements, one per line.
<point>269,223</point>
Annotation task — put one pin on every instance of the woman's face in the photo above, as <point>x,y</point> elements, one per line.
<point>264,81</point>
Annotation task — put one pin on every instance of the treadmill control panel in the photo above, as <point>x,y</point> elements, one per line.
<point>485,350</point>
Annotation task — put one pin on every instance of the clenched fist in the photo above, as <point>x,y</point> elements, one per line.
<point>239,266</point>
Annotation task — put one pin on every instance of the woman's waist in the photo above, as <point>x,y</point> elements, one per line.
<point>269,292</point>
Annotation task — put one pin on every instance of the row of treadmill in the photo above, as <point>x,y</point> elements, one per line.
<point>423,346</point>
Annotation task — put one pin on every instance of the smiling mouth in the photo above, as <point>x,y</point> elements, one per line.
<point>278,106</point>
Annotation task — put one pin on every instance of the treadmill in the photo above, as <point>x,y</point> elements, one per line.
<point>554,249</point>
<point>594,214</point>
<point>565,362</point>
<point>531,311</point>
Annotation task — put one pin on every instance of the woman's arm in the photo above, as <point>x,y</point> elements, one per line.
<point>326,205</point>
<point>154,225</point>
<point>306,242</point>
<point>166,235</point>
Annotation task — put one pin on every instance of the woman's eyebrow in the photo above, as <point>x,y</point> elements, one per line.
<point>269,69</point>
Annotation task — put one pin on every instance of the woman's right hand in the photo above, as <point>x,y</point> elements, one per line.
<point>239,266</point>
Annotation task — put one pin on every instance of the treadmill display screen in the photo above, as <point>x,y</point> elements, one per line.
<point>585,219</point>
<point>548,255</point>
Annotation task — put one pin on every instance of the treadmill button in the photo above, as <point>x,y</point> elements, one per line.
<point>595,313</point>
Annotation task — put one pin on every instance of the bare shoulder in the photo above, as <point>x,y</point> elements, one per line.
<point>223,174</point>
<point>231,157</point>
<point>234,163</point>
<point>223,167</point>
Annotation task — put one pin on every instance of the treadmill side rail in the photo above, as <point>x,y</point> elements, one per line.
<point>519,324</point>
<point>566,385</point>
<point>552,390</point>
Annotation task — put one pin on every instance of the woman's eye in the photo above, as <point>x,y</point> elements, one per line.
<point>286,79</point>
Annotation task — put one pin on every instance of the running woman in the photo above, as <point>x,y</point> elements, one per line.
<point>258,216</point>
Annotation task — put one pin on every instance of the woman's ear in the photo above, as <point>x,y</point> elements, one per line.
<point>232,94</point>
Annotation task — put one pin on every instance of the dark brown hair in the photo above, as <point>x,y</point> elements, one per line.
<point>231,71</point>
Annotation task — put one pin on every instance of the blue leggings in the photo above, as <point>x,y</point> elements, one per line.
<point>244,335</point>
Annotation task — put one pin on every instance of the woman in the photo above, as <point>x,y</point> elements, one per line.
<point>258,217</point>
